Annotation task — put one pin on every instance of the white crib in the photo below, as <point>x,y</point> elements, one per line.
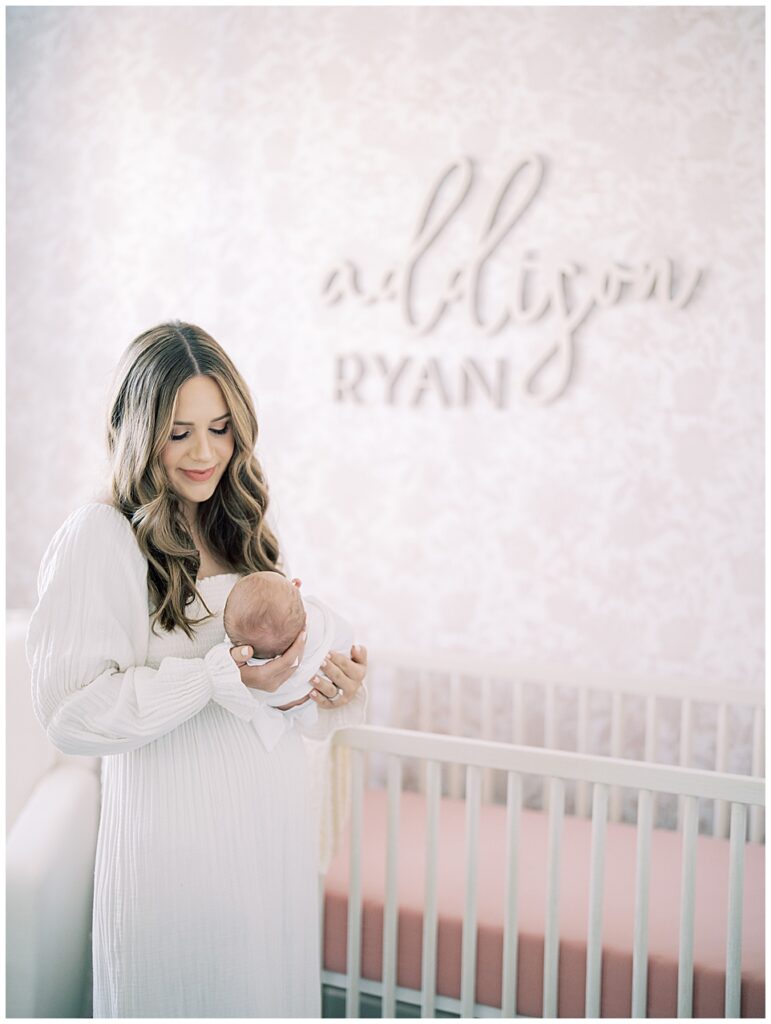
<point>485,770</point>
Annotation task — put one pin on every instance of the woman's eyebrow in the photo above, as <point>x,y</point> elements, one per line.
<point>186,423</point>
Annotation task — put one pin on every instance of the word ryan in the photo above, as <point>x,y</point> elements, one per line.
<point>416,382</point>
<point>559,292</point>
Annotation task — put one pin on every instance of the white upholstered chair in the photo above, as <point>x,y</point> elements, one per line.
<point>52,814</point>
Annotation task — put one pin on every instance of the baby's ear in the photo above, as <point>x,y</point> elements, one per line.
<point>297,583</point>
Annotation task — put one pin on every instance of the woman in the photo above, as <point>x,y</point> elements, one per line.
<point>206,884</point>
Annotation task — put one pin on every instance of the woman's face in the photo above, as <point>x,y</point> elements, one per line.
<point>201,440</point>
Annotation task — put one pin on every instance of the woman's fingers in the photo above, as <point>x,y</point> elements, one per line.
<point>344,670</point>
<point>292,656</point>
<point>340,671</point>
<point>279,669</point>
<point>325,688</point>
<point>333,671</point>
<point>359,654</point>
<point>336,672</point>
<point>265,677</point>
<point>241,655</point>
<point>270,676</point>
<point>253,675</point>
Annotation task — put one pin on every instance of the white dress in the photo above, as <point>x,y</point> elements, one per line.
<point>206,873</point>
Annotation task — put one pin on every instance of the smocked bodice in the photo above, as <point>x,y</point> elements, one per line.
<point>214,590</point>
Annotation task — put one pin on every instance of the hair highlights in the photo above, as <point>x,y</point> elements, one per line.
<point>141,411</point>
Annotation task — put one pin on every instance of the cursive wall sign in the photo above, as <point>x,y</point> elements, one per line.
<point>562,293</point>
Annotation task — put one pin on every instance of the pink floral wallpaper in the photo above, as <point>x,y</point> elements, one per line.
<point>217,164</point>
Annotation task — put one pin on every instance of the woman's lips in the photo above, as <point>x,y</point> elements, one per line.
<point>197,475</point>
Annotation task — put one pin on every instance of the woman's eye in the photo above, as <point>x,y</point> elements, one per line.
<point>181,437</point>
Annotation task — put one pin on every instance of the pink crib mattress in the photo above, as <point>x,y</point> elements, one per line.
<point>618,911</point>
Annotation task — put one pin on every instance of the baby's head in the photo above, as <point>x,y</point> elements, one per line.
<point>264,610</point>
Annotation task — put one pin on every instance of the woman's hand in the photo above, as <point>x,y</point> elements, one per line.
<point>270,676</point>
<point>344,672</point>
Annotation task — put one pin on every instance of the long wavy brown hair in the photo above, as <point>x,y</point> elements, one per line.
<point>232,522</point>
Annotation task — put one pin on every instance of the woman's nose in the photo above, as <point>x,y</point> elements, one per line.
<point>202,449</point>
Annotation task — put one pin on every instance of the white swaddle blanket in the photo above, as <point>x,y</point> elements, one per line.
<point>326,631</point>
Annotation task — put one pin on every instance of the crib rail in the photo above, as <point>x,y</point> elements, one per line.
<point>700,711</point>
<point>739,792</point>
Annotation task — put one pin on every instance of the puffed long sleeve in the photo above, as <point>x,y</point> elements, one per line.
<point>87,644</point>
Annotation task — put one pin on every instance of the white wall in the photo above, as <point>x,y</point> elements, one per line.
<point>214,164</point>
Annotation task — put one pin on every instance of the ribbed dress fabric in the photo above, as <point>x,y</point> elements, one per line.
<point>207,859</point>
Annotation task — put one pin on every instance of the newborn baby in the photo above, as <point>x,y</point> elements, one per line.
<point>265,611</point>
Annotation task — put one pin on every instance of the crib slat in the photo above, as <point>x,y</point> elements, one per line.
<point>456,729</point>
<point>425,714</point>
<point>616,744</point>
<point>651,737</point>
<point>756,813</point>
<point>549,738</point>
<point>687,893</point>
<point>582,789</point>
<point>425,717</point>
<point>469,942</point>
<point>757,741</point>
<point>651,727</point>
<point>720,820</point>
<point>322,901</point>
<point>733,969</point>
<point>686,734</point>
<point>551,936</point>
<point>549,718</point>
<point>487,734</point>
<point>390,910</point>
<point>518,714</point>
<point>353,953</point>
<point>641,897</point>
<point>686,731</point>
<point>428,970</point>
<point>597,875</point>
<point>510,933</point>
